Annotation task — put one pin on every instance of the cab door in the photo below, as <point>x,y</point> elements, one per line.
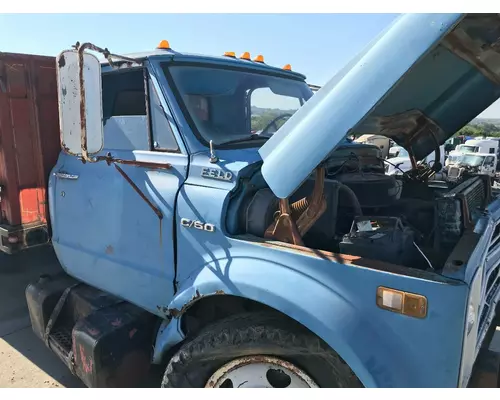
<point>489,165</point>
<point>113,223</point>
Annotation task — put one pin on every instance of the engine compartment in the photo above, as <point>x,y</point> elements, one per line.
<point>402,220</point>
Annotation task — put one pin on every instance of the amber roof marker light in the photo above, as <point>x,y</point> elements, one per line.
<point>164,45</point>
<point>230,54</point>
<point>245,56</point>
<point>259,59</point>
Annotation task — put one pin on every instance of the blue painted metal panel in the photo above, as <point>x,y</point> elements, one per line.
<point>230,161</point>
<point>105,234</point>
<point>334,300</point>
<point>342,104</point>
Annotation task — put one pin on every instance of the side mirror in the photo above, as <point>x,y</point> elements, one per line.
<point>80,103</point>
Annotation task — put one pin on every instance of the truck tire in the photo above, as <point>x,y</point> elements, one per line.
<point>265,341</point>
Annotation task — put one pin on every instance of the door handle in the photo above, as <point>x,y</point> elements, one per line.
<point>64,175</point>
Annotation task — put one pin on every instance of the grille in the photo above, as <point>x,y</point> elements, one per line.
<point>474,196</point>
<point>491,290</point>
<point>472,193</point>
<point>454,211</point>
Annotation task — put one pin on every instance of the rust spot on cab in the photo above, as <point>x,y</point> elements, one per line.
<point>176,313</point>
<point>62,61</point>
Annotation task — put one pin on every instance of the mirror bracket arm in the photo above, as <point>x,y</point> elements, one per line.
<point>83,116</point>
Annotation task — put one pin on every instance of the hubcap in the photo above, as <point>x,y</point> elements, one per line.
<point>260,372</point>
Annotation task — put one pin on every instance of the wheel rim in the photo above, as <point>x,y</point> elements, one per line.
<point>260,372</point>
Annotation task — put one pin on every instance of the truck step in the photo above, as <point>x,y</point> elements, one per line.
<point>61,338</point>
<point>59,341</point>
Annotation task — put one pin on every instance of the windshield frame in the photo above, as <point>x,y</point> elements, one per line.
<point>165,67</point>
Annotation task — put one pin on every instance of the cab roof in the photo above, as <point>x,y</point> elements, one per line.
<point>171,55</point>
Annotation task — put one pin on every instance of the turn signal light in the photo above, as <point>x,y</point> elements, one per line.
<point>259,58</point>
<point>164,45</point>
<point>229,54</point>
<point>287,67</point>
<point>410,304</point>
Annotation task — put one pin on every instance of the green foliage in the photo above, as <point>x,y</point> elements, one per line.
<point>261,120</point>
<point>480,129</point>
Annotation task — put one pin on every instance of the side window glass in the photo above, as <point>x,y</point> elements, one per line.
<point>163,137</point>
<point>124,111</point>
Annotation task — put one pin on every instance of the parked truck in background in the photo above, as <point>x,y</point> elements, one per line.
<point>468,164</point>
<point>453,142</point>
<point>29,147</point>
<point>284,259</point>
<point>482,145</point>
<point>382,142</point>
<point>400,162</point>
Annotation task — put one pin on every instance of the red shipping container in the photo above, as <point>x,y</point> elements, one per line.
<point>29,147</point>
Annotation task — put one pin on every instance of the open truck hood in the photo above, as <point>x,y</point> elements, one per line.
<point>418,83</point>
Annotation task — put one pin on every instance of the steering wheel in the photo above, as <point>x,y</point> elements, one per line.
<point>273,122</point>
<point>424,170</point>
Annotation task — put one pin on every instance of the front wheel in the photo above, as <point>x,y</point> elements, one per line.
<point>258,350</point>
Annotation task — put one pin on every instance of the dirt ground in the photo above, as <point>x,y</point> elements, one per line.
<point>24,359</point>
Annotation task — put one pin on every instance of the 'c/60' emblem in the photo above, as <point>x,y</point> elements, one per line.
<point>189,223</point>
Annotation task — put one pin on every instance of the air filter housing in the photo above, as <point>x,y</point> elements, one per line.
<point>373,190</point>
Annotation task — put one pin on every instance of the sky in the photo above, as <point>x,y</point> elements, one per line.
<point>317,45</point>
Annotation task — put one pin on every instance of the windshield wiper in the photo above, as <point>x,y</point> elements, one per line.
<point>245,139</point>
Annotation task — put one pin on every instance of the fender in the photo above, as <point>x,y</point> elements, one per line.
<point>322,309</point>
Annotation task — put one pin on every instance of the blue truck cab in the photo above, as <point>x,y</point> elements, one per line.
<point>212,218</point>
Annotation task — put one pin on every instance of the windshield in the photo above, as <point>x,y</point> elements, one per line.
<point>469,149</point>
<point>397,151</point>
<point>473,161</point>
<point>227,105</point>
<point>403,153</point>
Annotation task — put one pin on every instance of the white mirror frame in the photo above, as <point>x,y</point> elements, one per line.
<point>80,89</point>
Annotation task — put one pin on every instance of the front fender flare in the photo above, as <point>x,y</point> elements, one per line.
<point>371,349</point>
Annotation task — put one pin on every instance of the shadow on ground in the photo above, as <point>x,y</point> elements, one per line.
<point>24,359</point>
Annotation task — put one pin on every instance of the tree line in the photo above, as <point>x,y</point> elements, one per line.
<point>480,129</point>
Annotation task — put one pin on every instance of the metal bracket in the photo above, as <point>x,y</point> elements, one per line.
<point>56,311</point>
<point>293,222</point>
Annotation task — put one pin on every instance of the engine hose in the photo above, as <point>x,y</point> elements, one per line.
<point>298,207</point>
<point>355,202</point>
